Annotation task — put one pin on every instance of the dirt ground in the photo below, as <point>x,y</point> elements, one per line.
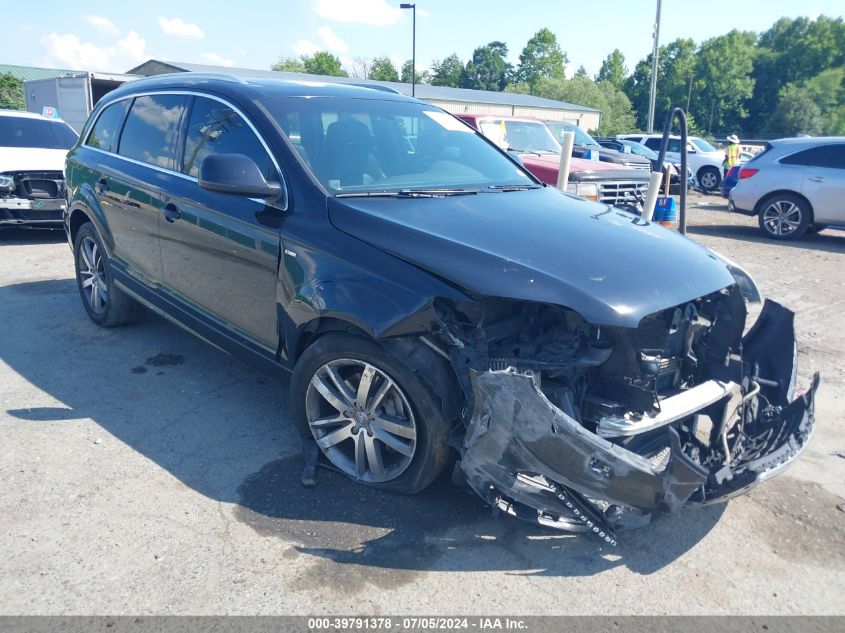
<point>145,472</point>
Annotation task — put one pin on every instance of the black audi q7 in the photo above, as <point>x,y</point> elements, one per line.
<point>434,302</point>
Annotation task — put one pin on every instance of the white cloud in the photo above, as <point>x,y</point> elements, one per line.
<point>133,46</point>
<point>331,40</point>
<point>69,51</point>
<point>305,47</point>
<point>372,12</point>
<point>423,13</point>
<point>179,28</point>
<point>103,25</point>
<point>217,60</point>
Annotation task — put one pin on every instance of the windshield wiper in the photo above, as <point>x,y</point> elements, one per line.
<point>408,193</point>
<point>513,187</point>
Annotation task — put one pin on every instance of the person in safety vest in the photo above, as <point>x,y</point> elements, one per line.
<point>731,154</point>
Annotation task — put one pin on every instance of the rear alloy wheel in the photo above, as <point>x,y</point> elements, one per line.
<point>709,179</point>
<point>369,413</point>
<point>105,304</point>
<point>784,217</point>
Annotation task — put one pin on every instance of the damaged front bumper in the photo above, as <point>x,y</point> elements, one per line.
<point>529,458</point>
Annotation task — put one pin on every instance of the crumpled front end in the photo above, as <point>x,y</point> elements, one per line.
<point>685,412</point>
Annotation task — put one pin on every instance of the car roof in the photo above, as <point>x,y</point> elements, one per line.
<point>804,140</point>
<point>28,115</point>
<point>224,84</point>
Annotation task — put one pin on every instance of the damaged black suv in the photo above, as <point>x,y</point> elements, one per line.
<point>433,300</point>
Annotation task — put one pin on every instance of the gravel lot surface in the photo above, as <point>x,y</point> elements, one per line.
<point>145,472</point>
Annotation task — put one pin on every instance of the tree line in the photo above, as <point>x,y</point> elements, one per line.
<point>786,80</point>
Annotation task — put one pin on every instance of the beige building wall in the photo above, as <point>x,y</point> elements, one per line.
<point>586,120</point>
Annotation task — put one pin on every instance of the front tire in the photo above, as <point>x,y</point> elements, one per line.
<point>370,415</point>
<point>709,178</point>
<point>784,216</point>
<point>106,305</point>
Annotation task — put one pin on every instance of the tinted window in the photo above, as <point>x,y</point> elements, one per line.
<point>152,128</point>
<point>674,144</point>
<point>18,131</point>
<point>105,131</point>
<point>214,128</point>
<point>822,156</point>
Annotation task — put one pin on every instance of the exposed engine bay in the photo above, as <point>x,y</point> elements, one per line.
<point>590,428</point>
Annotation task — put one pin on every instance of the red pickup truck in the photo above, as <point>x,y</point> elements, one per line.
<point>539,150</point>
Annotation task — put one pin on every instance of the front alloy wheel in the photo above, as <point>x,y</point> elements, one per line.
<point>709,179</point>
<point>361,420</point>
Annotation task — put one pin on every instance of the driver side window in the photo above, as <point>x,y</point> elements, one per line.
<point>215,128</point>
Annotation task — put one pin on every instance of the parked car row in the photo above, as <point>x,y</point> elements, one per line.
<point>434,302</point>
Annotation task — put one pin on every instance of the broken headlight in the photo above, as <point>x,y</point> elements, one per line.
<point>7,183</point>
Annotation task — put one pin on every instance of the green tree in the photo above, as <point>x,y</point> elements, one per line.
<point>613,69</point>
<point>488,69</point>
<point>723,82</point>
<point>407,70</point>
<point>582,72</point>
<point>675,69</point>
<point>827,91</point>
<point>323,63</point>
<point>289,65</point>
<point>11,92</point>
<point>793,50</point>
<point>795,113</point>
<point>382,69</point>
<point>541,57</point>
<point>447,72</point>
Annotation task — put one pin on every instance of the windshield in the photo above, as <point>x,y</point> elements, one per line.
<point>18,131</point>
<point>582,139</point>
<point>640,150</point>
<point>702,145</point>
<point>520,136</point>
<point>370,145</point>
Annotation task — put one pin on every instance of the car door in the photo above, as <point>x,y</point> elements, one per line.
<point>220,251</point>
<point>131,189</point>
<point>823,180</point>
<point>673,148</point>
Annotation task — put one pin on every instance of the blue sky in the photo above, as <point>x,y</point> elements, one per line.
<point>114,36</point>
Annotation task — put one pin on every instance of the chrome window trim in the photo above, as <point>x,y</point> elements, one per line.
<point>189,93</point>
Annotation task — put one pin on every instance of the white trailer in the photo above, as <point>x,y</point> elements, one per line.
<point>72,97</point>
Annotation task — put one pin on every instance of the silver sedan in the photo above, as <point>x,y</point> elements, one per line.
<point>793,185</point>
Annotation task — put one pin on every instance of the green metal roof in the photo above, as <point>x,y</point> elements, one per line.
<point>33,72</point>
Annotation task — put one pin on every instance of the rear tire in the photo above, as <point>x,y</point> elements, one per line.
<point>390,435</point>
<point>709,178</point>
<point>106,305</point>
<point>784,216</point>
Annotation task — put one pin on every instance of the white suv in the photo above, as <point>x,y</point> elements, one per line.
<point>32,159</point>
<point>703,159</point>
<point>795,184</point>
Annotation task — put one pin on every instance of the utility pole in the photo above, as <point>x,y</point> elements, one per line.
<point>413,8</point>
<point>652,96</point>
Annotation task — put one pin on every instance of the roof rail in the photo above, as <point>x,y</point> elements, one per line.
<point>197,75</point>
<point>372,86</point>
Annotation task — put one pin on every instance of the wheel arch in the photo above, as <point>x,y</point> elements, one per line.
<point>84,207</point>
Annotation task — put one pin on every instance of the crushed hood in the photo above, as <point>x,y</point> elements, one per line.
<point>542,245</point>
<point>31,159</point>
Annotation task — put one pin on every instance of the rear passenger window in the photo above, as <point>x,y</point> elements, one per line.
<point>105,131</point>
<point>215,128</point>
<point>824,156</point>
<point>152,129</point>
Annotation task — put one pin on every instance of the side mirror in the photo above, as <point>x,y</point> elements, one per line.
<point>691,149</point>
<point>238,175</point>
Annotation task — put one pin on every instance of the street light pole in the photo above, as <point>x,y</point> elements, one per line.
<point>652,96</point>
<point>413,7</point>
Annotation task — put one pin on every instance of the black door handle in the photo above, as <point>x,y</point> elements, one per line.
<point>171,213</point>
<point>102,186</point>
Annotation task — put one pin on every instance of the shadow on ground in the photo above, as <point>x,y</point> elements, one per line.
<point>223,430</point>
<point>830,240</point>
